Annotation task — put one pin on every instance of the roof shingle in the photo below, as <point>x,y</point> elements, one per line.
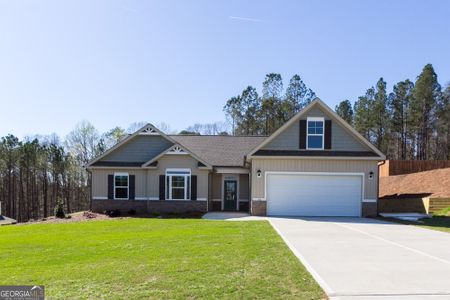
<point>220,150</point>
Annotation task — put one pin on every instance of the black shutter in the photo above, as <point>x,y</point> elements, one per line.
<point>110,186</point>
<point>162,187</point>
<point>327,134</point>
<point>131,185</point>
<point>194,187</point>
<point>302,134</point>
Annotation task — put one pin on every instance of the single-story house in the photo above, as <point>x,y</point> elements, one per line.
<point>314,165</point>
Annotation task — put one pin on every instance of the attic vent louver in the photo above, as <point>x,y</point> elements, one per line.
<point>149,131</point>
<point>176,150</point>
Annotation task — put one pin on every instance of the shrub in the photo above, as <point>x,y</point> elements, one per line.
<point>131,212</point>
<point>59,209</point>
<point>112,213</point>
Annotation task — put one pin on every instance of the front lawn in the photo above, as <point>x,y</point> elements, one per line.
<point>440,221</point>
<point>154,258</point>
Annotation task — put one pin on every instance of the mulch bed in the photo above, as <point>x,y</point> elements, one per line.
<point>84,216</point>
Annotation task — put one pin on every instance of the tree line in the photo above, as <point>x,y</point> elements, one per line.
<point>38,172</point>
<point>252,114</point>
<point>410,122</point>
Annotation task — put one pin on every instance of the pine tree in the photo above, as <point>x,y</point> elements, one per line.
<point>399,102</point>
<point>345,111</point>
<point>423,109</point>
<point>380,117</point>
<point>363,120</point>
<point>271,108</point>
<point>250,106</point>
<point>442,126</point>
<point>232,111</point>
<point>297,95</point>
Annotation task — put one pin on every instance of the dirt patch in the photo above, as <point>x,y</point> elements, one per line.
<point>74,217</point>
<point>433,184</point>
<point>85,216</point>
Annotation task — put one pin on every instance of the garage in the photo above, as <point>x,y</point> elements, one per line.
<point>314,194</point>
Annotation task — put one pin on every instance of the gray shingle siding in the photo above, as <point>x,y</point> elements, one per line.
<point>341,140</point>
<point>141,148</point>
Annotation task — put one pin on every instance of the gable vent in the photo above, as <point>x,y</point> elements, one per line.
<point>177,150</point>
<point>149,130</point>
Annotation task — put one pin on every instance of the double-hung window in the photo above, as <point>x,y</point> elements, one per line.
<point>178,184</point>
<point>315,133</point>
<point>121,186</point>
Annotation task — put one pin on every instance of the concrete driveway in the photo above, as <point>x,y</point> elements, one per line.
<point>357,258</point>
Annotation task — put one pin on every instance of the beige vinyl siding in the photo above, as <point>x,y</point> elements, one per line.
<point>243,187</point>
<point>141,148</point>
<point>100,181</point>
<point>341,139</point>
<point>315,165</point>
<point>147,180</point>
<point>177,162</point>
<point>216,186</point>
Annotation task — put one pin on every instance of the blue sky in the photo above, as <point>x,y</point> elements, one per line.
<point>119,62</point>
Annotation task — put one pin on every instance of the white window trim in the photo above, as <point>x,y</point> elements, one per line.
<point>128,186</point>
<point>320,119</point>
<point>169,192</point>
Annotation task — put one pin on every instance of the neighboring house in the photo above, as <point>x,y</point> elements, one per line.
<point>314,165</point>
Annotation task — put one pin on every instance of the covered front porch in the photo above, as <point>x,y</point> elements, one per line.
<point>229,189</point>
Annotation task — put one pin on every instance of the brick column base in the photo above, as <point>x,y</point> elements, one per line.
<point>369,209</point>
<point>259,208</point>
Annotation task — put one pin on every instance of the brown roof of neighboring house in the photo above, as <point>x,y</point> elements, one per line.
<point>434,184</point>
<point>220,150</point>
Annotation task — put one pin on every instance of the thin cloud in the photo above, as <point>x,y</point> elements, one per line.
<point>246,19</point>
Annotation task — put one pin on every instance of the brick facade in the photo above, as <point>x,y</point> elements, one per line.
<point>150,206</point>
<point>258,208</point>
<point>369,209</point>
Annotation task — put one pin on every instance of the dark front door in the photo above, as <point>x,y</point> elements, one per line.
<point>230,194</point>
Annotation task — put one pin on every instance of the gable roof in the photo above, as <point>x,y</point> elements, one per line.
<point>328,110</point>
<point>148,129</point>
<point>220,150</point>
<point>180,149</point>
<point>211,151</point>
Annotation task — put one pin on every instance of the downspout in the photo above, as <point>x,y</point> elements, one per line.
<point>378,181</point>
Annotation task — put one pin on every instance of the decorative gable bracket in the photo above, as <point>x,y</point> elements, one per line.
<point>149,130</point>
<point>177,150</point>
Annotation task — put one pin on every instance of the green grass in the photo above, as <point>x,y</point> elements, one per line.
<point>154,259</point>
<point>440,221</point>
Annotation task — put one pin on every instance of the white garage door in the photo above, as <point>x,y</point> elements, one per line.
<point>313,195</point>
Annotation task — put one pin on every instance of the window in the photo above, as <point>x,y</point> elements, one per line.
<point>120,185</point>
<point>178,184</point>
<point>315,133</point>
